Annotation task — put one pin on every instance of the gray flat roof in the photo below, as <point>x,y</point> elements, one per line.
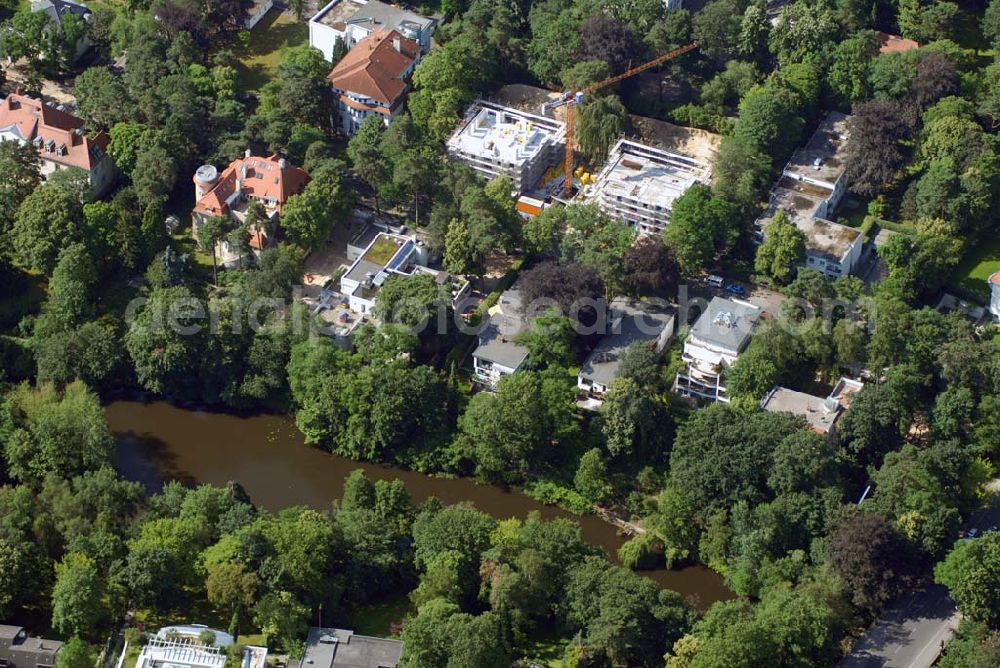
<point>362,268</point>
<point>819,413</point>
<point>823,155</point>
<point>340,648</point>
<point>727,323</point>
<point>371,14</point>
<point>632,321</point>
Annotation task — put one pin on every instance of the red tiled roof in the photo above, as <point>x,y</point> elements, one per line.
<point>889,43</point>
<point>995,278</point>
<point>261,178</point>
<point>375,66</point>
<point>47,127</point>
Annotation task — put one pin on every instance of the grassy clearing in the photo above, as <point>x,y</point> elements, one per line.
<point>982,261</point>
<point>376,619</point>
<point>546,650</point>
<point>258,61</point>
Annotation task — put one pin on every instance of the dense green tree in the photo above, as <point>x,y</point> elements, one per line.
<point>768,121</point>
<point>521,425</point>
<point>784,248</point>
<point>310,216</point>
<point>591,477</point>
<point>76,596</point>
<point>802,30</point>
<point>19,163</point>
<point>719,459</point>
<point>48,220</point>
<point>623,618</point>
<point>53,431</point>
<point>164,341</point>
<point>549,340</point>
<point>970,572</point>
<point>75,653</point>
<point>635,424</point>
<point>366,156</point>
<point>599,124</point>
<point>702,226</point>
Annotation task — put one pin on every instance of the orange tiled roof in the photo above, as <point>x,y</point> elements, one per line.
<point>889,43</point>
<point>57,135</point>
<point>374,67</point>
<point>259,178</point>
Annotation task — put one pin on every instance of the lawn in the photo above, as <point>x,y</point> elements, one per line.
<point>970,276</point>
<point>546,650</point>
<point>376,619</point>
<point>258,61</point>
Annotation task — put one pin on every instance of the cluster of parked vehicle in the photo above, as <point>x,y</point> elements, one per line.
<point>732,288</point>
<point>974,532</point>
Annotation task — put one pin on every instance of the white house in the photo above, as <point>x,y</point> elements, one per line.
<point>390,255</point>
<point>994,281</point>
<point>809,191</point>
<point>821,414</point>
<point>714,343</point>
<point>351,21</point>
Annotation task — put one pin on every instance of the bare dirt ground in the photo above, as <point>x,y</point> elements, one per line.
<point>528,98</point>
<point>60,92</point>
<point>699,144</point>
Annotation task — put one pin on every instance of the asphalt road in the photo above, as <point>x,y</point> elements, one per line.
<point>910,635</point>
<point>913,631</point>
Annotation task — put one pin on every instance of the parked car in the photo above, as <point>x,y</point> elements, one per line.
<point>736,289</point>
<point>715,281</point>
<point>972,533</point>
<point>992,529</point>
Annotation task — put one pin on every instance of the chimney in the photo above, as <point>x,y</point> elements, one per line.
<point>246,154</point>
<point>397,44</point>
<point>282,163</point>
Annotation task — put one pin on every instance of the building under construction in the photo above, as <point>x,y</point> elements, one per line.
<point>502,141</point>
<point>639,184</point>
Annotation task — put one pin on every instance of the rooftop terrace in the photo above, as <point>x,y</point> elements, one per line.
<point>505,134</point>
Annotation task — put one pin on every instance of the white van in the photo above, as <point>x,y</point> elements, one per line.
<point>715,281</point>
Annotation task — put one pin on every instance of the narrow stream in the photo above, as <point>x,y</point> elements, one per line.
<point>267,455</point>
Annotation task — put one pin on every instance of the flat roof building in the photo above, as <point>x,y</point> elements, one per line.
<point>821,414</point>
<point>391,255</point>
<point>639,184</point>
<point>629,321</point>
<point>496,354</point>
<point>180,653</point>
<point>353,20</point>
<point>340,648</point>
<point>809,191</point>
<point>714,343</point>
<point>502,141</point>
<point>17,650</point>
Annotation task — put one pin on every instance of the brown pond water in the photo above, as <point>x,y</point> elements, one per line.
<point>268,456</point>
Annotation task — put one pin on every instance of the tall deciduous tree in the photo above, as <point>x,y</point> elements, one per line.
<point>784,248</point>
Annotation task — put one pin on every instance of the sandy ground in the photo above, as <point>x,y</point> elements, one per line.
<point>60,92</point>
<point>691,142</point>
